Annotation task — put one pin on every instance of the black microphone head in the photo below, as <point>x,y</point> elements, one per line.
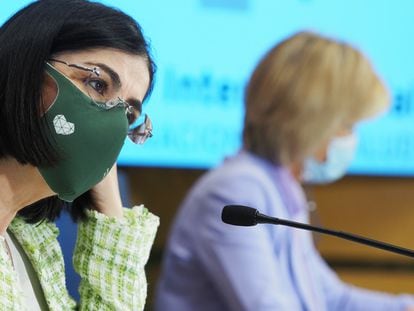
<point>239,215</point>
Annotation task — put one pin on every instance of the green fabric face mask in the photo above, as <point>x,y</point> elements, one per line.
<point>88,139</point>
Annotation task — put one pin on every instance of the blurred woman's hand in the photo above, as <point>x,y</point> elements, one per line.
<point>107,199</point>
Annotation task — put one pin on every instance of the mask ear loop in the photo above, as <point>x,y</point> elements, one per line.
<point>56,91</point>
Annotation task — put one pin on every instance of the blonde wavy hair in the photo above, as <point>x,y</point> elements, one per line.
<point>305,90</point>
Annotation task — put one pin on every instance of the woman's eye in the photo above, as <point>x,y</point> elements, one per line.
<point>98,85</point>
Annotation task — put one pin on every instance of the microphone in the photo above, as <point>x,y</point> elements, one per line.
<point>240,215</point>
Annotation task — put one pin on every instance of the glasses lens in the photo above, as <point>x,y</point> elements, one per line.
<point>94,82</point>
<point>97,90</point>
<point>140,133</point>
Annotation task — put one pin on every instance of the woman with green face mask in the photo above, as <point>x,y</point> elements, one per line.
<point>74,76</point>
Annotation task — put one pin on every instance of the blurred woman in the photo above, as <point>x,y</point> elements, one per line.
<point>301,104</point>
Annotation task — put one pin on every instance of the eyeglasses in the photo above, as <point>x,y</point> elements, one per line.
<point>102,88</point>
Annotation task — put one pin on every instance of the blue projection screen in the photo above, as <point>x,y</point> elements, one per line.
<point>206,49</point>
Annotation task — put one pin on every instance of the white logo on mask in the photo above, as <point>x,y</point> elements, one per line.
<point>62,126</point>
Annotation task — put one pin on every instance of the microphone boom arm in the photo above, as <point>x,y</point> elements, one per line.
<point>261,218</point>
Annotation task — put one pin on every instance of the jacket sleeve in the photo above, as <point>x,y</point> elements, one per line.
<point>241,262</point>
<point>110,255</point>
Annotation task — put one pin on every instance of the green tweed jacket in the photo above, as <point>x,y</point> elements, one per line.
<point>110,256</point>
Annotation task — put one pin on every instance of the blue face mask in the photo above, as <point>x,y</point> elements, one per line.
<point>339,156</point>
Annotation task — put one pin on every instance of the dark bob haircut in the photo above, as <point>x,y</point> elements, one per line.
<point>27,40</point>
